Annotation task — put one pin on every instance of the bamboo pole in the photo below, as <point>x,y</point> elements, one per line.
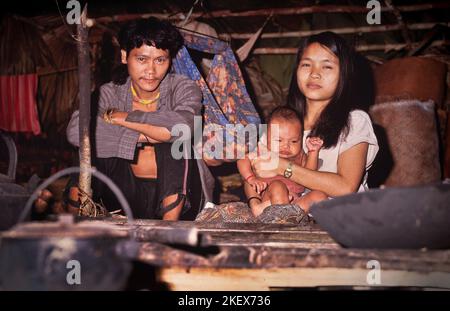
<point>428,38</point>
<point>401,22</point>
<point>263,51</point>
<point>41,72</point>
<point>275,11</point>
<point>84,82</point>
<point>344,30</point>
<point>359,48</point>
<point>320,9</point>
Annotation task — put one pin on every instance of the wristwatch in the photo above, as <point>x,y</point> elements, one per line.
<point>288,171</point>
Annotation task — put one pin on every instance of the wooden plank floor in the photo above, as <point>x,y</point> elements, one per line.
<point>269,256</point>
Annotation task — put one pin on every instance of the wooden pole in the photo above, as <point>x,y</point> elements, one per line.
<point>401,23</point>
<point>427,39</point>
<point>84,95</point>
<point>360,48</point>
<point>62,70</point>
<point>276,11</point>
<point>341,31</point>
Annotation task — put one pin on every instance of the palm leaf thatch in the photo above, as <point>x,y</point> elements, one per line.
<point>58,83</point>
<point>22,49</point>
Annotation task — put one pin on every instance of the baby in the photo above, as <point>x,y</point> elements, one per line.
<point>263,192</point>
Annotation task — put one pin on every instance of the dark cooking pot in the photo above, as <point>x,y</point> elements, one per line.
<point>12,196</point>
<point>12,201</point>
<point>64,255</point>
<point>399,217</point>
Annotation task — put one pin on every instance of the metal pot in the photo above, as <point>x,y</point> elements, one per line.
<point>12,196</point>
<point>397,218</point>
<point>12,201</point>
<point>64,255</point>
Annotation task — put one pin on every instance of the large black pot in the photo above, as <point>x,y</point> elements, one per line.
<point>12,202</point>
<point>401,218</point>
<point>12,196</point>
<point>65,255</point>
<point>60,256</point>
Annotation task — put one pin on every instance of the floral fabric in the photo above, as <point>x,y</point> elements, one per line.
<point>225,98</point>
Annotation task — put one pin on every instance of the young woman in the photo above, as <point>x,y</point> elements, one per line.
<point>321,91</point>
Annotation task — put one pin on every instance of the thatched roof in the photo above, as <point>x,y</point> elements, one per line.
<point>404,23</point>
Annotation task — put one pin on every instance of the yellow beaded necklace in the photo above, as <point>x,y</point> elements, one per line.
<point>143,101</point>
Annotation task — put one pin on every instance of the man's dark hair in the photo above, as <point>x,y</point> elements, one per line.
<point>153,32</point>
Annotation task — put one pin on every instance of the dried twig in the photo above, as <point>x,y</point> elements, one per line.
<point>89,208</point>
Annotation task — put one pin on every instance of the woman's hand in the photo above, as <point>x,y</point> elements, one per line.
<point>266,163</point>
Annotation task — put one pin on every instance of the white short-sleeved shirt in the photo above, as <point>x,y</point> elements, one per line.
<point>360,130</point>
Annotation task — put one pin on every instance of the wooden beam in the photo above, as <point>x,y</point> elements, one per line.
<point>341,31</point>
<point>181,236</point>
<point>128,17</point>
<point>359,48</point>
<point>277,11</point>
<point>217,279</point>
<point>243,228</point>
<point>401,23</point>
<point>299,254</point>
<point>427,39</point>
<point>320,9</point>
<point>41,72</point>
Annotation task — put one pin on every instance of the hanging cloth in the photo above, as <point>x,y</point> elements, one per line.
<point>18,107</point>
<point>225,98</point>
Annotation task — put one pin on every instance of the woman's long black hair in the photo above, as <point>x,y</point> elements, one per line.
<point>334,119</point>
